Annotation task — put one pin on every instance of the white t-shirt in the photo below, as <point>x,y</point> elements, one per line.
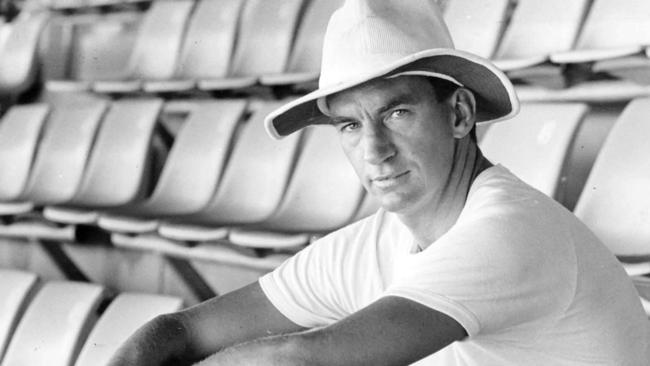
<point>527,280</point>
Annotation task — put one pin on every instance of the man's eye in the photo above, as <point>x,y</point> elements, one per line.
<point>398,113</point>
<point>349,126</point>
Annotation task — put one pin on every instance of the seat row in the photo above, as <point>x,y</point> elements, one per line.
<point>227,193</point>
<point>93,162</point>
<point>109,165</point>
<point>216,45</point>
<point>68,323</point>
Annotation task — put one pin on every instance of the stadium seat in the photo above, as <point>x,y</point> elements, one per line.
<point>534,144</point>
<point>251,187</point>
<point>20,130</point>
<point>304,63</point>
<point>126,313</point>
<point>615,200</point>
<point>120,163</point>
<point>64,146</point>
<point>18,60</point>
<point>63,151</point>
<point>612,29</point>
<point>208,46</point>
<point>477,26</point>
<point>323,194</point>
<point>157,47</point>
<point>16,287</point>
<point>95,47</point>
<point>192,171</point>
<point>536,30</point>
<point>264,40</point>
<point>55,324</point>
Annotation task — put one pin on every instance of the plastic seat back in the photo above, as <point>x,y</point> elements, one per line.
<point>123,317</point>
<point>615,200</point>
<point>101,46</point>
<point>20,129</point>
<point>265,37</point>
<point>612,24</point>
<point>119,163</point>
<point>324,191</point>
<point>64,150</point>
<point>18,64</point>
<point>16,288</point>
<point>194,166</point>
<point>476,26</point>
<point>305,60</point>
<point>552,24</point>
<point>534,144</point>
<point>159,39</point>
<point>257,173</point>
<point>208,47</point>
<point>55,325</point>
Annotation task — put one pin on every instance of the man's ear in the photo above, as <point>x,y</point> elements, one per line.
<point>463,105</point>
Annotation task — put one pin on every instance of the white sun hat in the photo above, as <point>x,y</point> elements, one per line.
<point>368,39</point>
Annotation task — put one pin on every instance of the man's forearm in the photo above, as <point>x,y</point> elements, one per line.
<point>281,350</point>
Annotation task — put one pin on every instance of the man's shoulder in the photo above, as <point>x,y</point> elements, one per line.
<point>499,193</point>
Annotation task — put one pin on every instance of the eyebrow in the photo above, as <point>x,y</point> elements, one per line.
<point>405,98</point>
<point>399,99</point>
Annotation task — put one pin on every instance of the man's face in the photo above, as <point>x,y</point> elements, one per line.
<point>398,138</point>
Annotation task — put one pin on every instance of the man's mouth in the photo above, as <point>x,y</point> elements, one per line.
<point>388,181</point>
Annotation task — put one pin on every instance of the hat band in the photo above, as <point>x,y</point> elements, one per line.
<point>322,103</point>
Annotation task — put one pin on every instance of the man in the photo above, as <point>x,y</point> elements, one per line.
<point>463,265</point>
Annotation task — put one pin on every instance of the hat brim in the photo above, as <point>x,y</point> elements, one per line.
<point>495,96</point>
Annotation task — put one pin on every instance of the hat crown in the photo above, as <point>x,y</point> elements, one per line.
<point>365,35</point>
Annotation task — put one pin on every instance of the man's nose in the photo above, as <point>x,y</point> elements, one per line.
<point>377,147</point>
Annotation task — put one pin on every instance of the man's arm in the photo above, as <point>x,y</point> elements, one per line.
<point>391,331</point>
<point>193,334</point>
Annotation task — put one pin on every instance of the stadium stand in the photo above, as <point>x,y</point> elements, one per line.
<point>541,135</point>
<point>54,324</point>
<point>16,287</point>
<point>477,27</point>
<point>82,48</point>
<point>141,122</point>
<point>20,130</point>
<point>240,197</point>
<point>207,47</point>
<point>553,25</point>
<point>263,43</point>
<point>18,53</point>
<point>304,62</point>
<point>126,313</point>
<point>156,48</point>
<point>323,194</point>
<point>191,173</point>
<point>610,30</point>
<point>618,212</point>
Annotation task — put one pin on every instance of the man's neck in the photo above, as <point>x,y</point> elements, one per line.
<point>432,221</point>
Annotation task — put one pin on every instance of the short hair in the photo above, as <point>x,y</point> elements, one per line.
<point>443,89</point>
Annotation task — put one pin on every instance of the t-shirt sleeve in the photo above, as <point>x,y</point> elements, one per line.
<point>320,285</point>
<point>491,274</point>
